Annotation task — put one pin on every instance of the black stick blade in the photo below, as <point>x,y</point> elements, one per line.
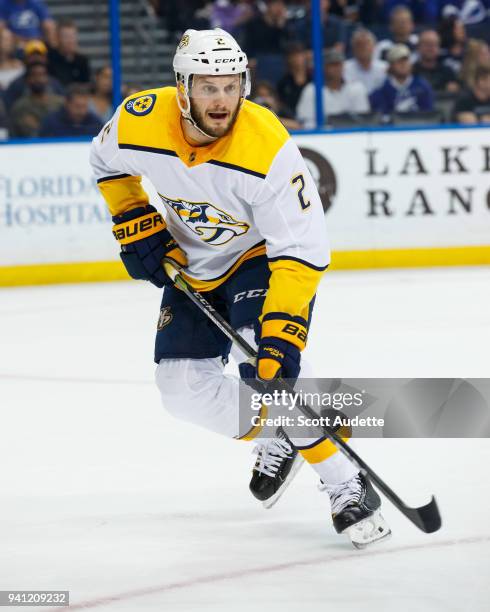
<point>427,518</point>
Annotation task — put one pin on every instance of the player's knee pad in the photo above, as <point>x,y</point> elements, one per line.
<point>185,384</point>
<point>197,391</point>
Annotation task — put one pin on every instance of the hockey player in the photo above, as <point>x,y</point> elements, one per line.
<point>244,219</point>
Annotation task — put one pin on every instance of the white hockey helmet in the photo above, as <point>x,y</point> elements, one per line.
<point>212,52</point>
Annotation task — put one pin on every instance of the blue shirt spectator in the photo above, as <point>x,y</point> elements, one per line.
<point>335,29</point>
<point>26,18</point>
<point>423,11</point>
<point>402,92</point>
<point>74,118</point>
<point>268,33</point>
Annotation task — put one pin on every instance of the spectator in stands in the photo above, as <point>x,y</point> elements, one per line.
<point>266,95</point>
<point>347,9</point>
<point>230,15</point>
<point>335,29</point>
<point>74,118</point>
<point>297,76</point>
<point>101,96</point>
<point>423,11</point>
<point>175,20</point>
<point>477,54</point>
<point>268,33</point>
<point>28,113</point>
<point>370,12</point>
<point>180,16</point>
<point>453,41</point>
<point>363,67</point>
<point>401,92</point>
<point>430,66</point>
<point>402,32</point>
<point>65,62</point>
<point>27,19</point>
<point>10,66</point>
<point>339,97</point>
<point>35,52</point>
<point>473,106</point>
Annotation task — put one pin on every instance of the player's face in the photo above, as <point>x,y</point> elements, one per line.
<point>215,102</point>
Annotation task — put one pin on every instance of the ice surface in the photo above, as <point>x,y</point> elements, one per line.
<point>104,494</point>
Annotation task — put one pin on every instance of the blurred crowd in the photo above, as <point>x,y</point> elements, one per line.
<point>47,87</point>
<point>384,61</point>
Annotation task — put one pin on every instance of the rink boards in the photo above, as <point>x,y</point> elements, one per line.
<point>392,198</point>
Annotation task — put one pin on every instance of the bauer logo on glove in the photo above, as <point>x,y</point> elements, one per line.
<point>137,229</point>
<point>145,242</point>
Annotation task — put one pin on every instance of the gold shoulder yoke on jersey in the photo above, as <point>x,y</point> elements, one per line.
<point>143,121</point>
<point>154,127</point>
<point>255,141</point>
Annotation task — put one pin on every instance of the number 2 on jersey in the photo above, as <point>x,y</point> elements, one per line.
<point>299,182</point>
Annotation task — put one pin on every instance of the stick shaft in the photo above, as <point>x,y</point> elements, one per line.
<point>426,518</point>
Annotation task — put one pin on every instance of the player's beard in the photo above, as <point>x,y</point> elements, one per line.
<point>203,125</point>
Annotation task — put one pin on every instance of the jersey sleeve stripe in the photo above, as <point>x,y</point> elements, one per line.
<point>114,177</point>
<point>135,147</point>
<point>123,194</point>
<point>301,261</point>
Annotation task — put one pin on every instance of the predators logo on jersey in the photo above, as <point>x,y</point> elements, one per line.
<point>211,224</point>
<point>141,106</point>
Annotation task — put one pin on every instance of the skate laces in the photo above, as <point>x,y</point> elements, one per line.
<point>270,456</point>
<point>345,494</point>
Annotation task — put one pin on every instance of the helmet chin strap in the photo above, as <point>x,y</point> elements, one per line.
<point>187,115</point>
<point>190,119</point>
<point>186,112</point>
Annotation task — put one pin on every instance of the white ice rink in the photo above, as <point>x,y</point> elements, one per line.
<point>103,494</point>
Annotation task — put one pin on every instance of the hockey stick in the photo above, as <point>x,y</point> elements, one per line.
<point>426,518</point>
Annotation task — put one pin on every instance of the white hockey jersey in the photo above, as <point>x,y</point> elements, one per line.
<point>247,194</point>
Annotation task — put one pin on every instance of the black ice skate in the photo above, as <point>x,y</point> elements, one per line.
<point>355,511</point>
<point>276,466</point>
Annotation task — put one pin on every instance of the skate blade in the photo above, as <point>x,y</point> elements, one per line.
<point>298,462</point>
<point>369,531</point>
